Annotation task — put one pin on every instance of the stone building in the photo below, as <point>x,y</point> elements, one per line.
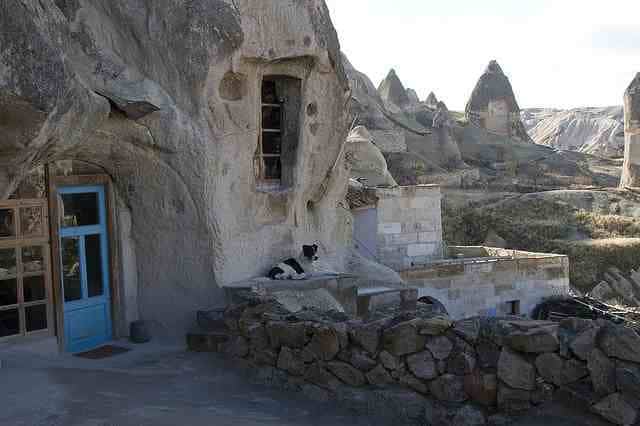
<point>493,105</point>
<point>152,152</point>
<point>631,167</point>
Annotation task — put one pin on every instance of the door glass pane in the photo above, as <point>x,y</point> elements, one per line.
<point>9,323</point>
<point>7,263</point>
<point>34,289</point>
<point>36,317</point>
<point>80,209</point>
<point>32,259</point>
<point>7,223</point>
<point>31,221</point>
<point>94,265</point>
<point>8,292</point>
<point>71,271</point>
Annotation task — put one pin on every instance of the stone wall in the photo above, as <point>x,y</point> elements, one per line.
<point>416,369</point>
<point>488,286</point>
<point>409,225</point>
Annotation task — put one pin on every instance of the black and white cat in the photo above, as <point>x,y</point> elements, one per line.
<point>291,269</point>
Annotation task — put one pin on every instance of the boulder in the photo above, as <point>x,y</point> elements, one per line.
<point>403,338</point>
<point>512,400</point>
<point>488,354</point>
<point>543,393</point>
<point>603,292</point>
<point>461,363</point>
<point>555,369</point>
<point>422,365</point>
<point>482,388</point>
<point>603,372</point>
<point>585,343</point>
<point>367,336</point>
<point>440,347</point>
<point>448,388</point>
<point>616,409</point>
<point>389,361</point>
<point>379,376</point>
<point>362,361</point>
<point>620,342</point>
<point>319,376</point>
<point>628,378</point>
<point>435,326</point>
<point>515,371</point>
<point>347,373</point>
<point>292,335</point>
<point>535,340</point>
<point>257,335</point>
<point>324,344</point>
<point>412,382</point>
<point>291,362</point>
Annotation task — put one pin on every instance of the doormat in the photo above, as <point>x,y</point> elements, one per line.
<point>103,352</point>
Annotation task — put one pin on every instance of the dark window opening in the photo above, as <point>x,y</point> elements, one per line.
<point>514,307</point>
<point>279,130</point>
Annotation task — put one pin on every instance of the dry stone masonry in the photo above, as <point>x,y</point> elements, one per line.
<point>416,368</point>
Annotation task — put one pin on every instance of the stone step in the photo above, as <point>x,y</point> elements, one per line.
<point>207,341</point>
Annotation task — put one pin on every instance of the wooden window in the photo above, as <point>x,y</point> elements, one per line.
<point>279,112</point>
<point>25,277</point>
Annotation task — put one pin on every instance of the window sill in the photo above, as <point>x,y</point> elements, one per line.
<point>272,188</point>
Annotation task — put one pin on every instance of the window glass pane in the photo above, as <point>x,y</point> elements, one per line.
<point>33,288</point>
<point>31,221</point>
<point>71,272</point>
<point>271,143</point>
<point>272,168</point>
<point>271,117</point>
<point>36,317</point>
<point>269,93</point>
<point>9,323</point>
<point>7,223</point>
<point>9,292</point>
<point>94,265</point>
<point>80,209</point>
<point>7,263</point>
<point>32,259</point>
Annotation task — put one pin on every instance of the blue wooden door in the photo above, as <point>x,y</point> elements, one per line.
<point>84,255</point>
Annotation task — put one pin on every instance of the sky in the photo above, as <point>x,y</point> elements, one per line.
<point>556,53</point>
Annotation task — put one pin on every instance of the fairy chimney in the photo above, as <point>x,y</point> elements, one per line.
<point>493,104</point>
<point>631,168</point>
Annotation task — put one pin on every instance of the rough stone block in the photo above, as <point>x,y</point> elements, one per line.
<point>347,373</point>
<point>403,338</point>
<point>617,409</point>
<point>515,371</point>
<point>448,388</point>
<point>603,372</point>
<point>422,365</point>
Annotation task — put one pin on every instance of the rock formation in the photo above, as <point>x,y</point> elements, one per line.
<point>164,96</point>
<point>393,93</point>
<point>403,128</point>
<point>596,131</point>
<point>431,101</point>
<point>368,165</point>
<point>631,168</point>
<point>493,104</point>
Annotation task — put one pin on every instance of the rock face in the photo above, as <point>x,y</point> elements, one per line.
<point>493,104</point>
<point>596,131</point>
<point>631,168</point>
<point>401,127</point>
<point>165,97</point>
<point>368,165</point>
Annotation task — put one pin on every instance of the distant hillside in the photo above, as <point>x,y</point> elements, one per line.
<point>596,131</point>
